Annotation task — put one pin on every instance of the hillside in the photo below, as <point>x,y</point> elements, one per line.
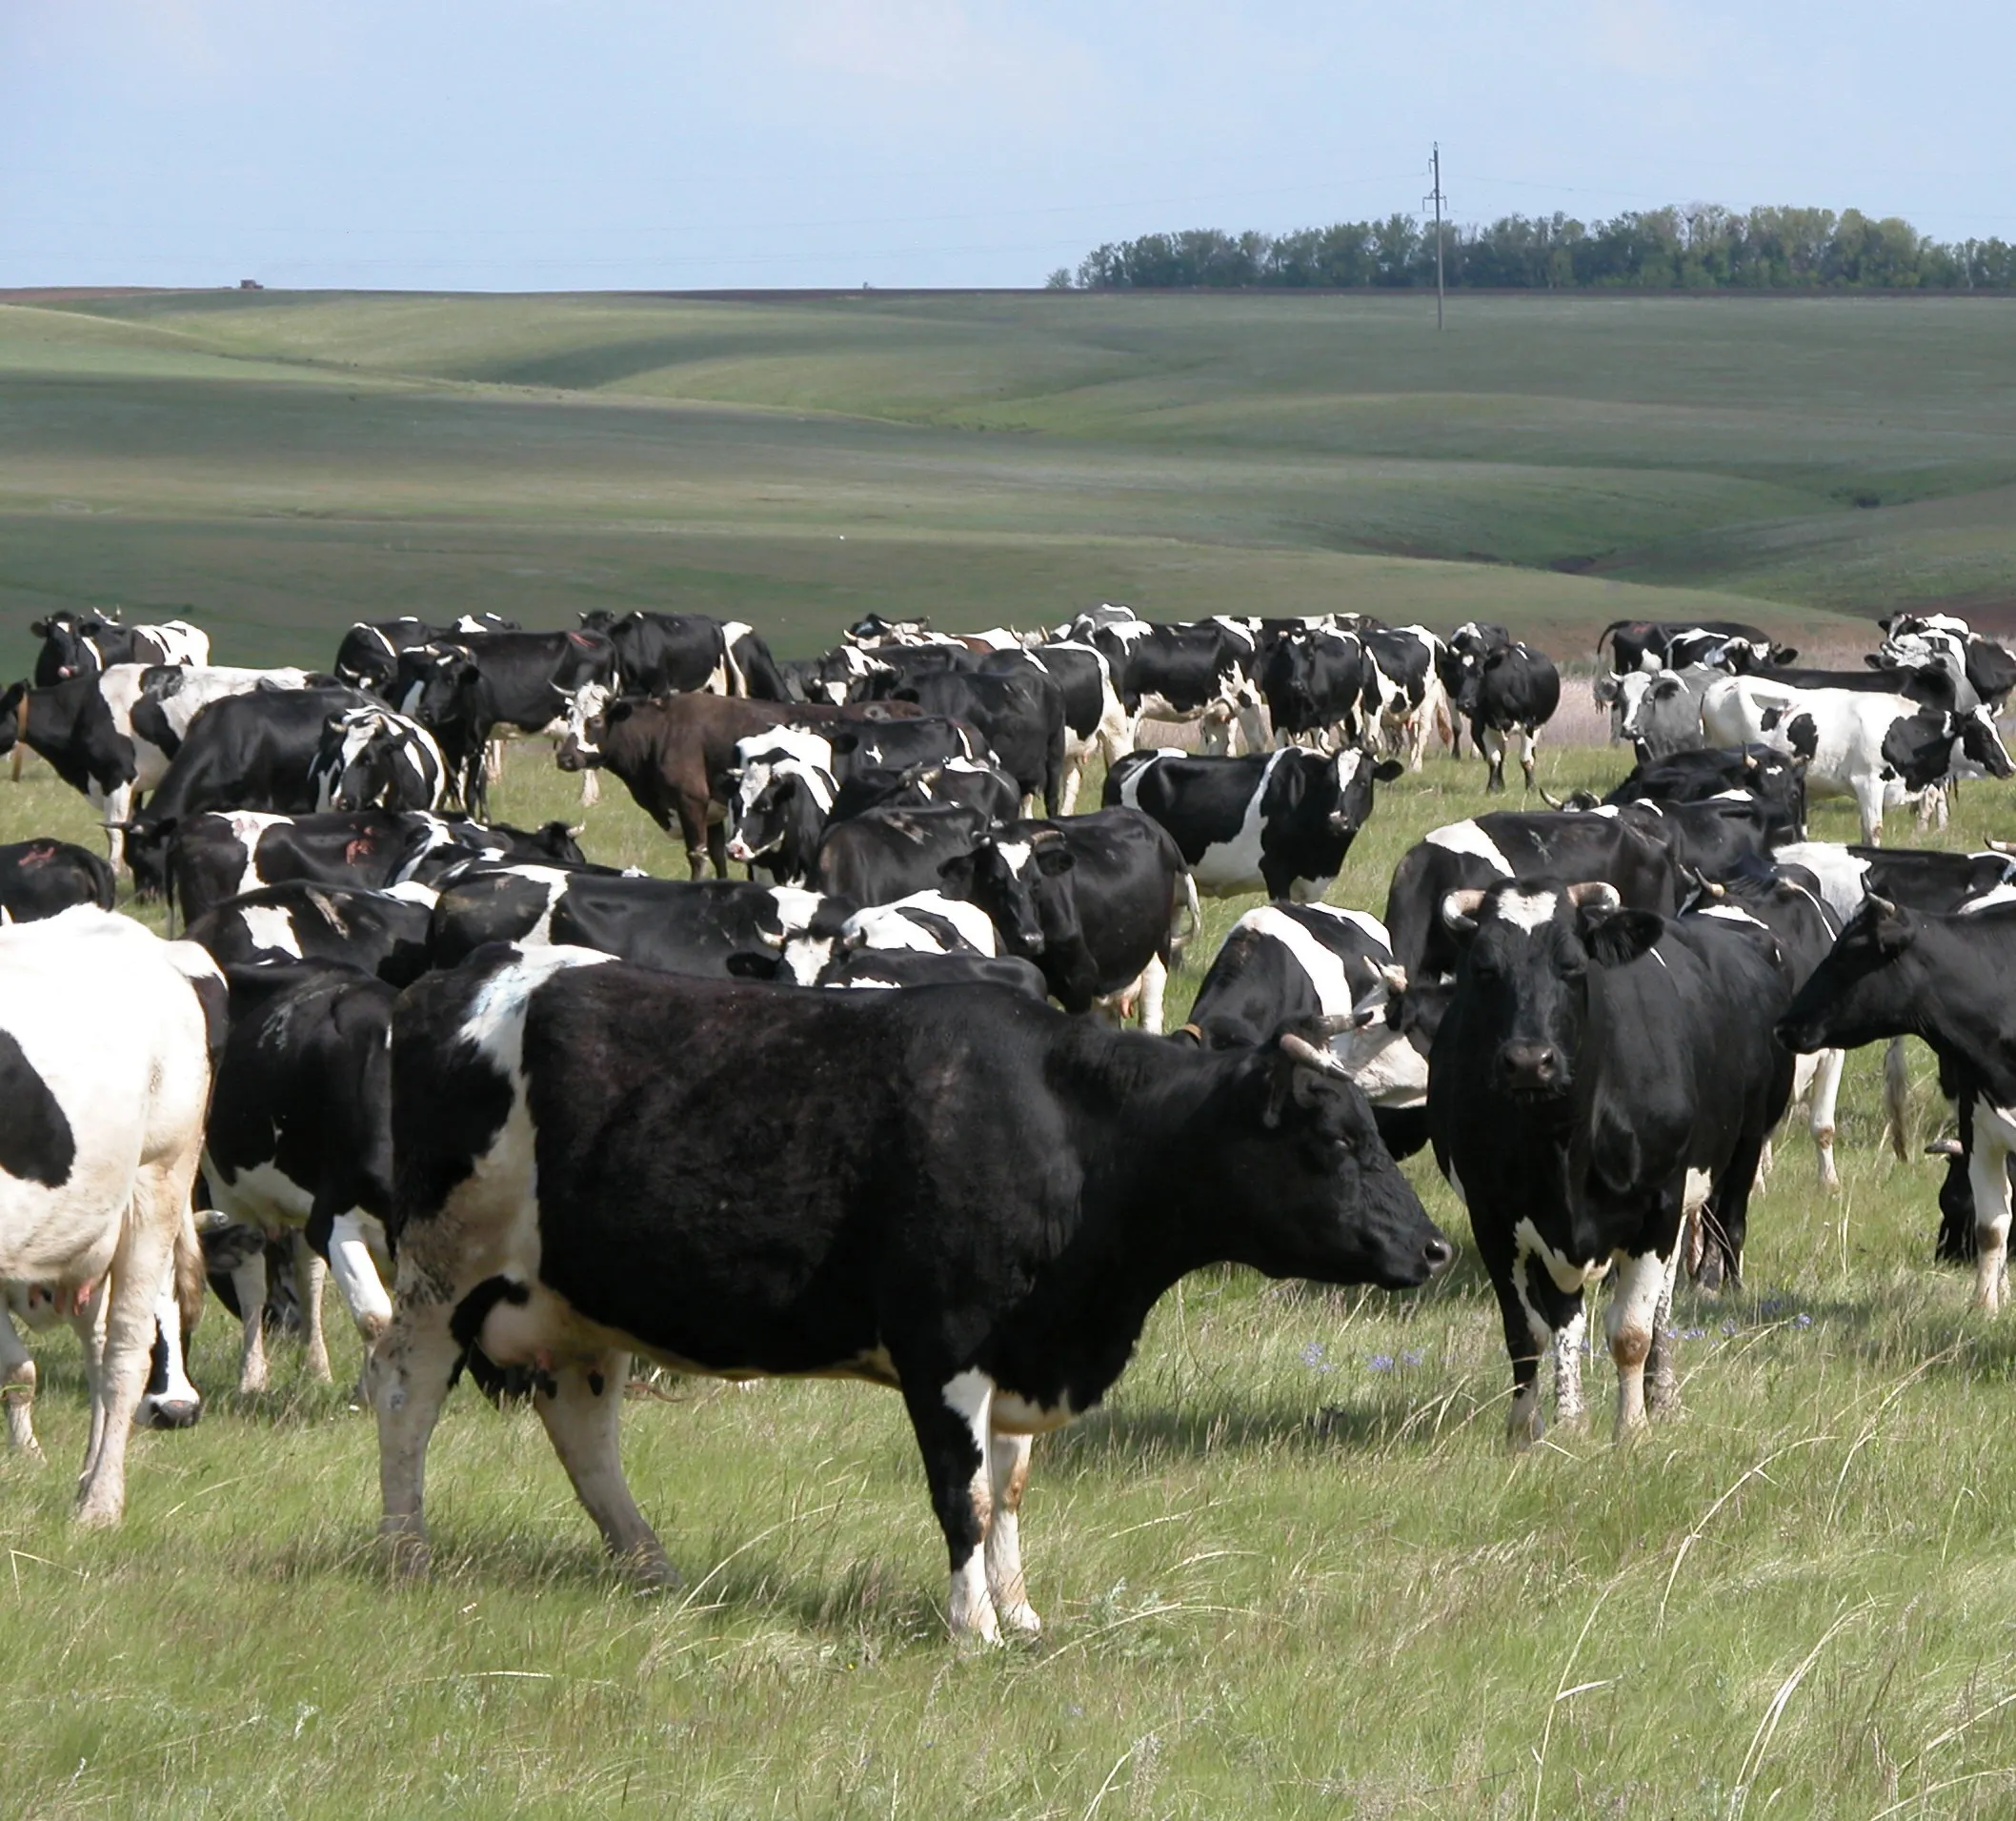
<point>280,464</point>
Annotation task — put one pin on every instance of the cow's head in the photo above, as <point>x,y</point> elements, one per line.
<point>1352,773</point>
<point>429,683</point>
<point>590,715</point>
<point>1527,948</point>
<point>354,766</point>
<point>1023,884</point>
<point>68,650</point>
<point>782,797</point>
<point>1640,701</point>
<point>1982,742</point>
<point>1860,993</point>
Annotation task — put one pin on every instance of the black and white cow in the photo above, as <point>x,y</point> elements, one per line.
<point>104,1048</point>
<point>1097,723</point>
<point>224,854</point>
<point>1877,748</point>
<point>1656,645</point>
<point>927,923</point>
<point>1019,715</point>
<point>1517,845</point>
<point>677,925</point>
<point>489,685</point>
<point>1599,1073</point>
<point>1898,972</point>
<point>83,727</point>
<point>897,968</point>
<point>247,752</point>
<point>994,1262</point>
<point>968,783</point>
<point>659,654</point>
<point>1981,671</point>
<point>1514,691</point>
<point>376,758</point>
<point>382,933</point>
<point>83,644</point>
<point>369,656</point>
<point>1703,775</point>
<point>42,876</point>
<point>300,1138</point>
<point>1404,700</point>
<point>172,695</point>
<point>1280,822</point>
<point>1313,681</point>
<point>882,855</point>
<point>1204,673</point>
<point>782,798</point>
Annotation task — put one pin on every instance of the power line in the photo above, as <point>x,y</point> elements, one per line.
<point>1435,195</point>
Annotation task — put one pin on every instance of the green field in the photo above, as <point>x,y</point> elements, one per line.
<point>280,464</point>
<point>1289,1569</point>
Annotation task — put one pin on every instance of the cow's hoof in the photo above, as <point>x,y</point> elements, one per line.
<point>1020,1620</point>
<point>181,1413</point>
<point>99,1514</point>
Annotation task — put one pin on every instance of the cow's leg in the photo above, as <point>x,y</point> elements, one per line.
<point>590,787</point>
<point>1896,1097</point>
<point>1956,1242</point>
<point>1570,1343</point>
<point>1630,1319</point>
<point>1152,983</point>
<point>583,1411</point>
<point>88,1322</point>
<point>248,1283</point>
<point>1528,753</point>
<point>169,1400</point>
<point>1869,806</point>
<point>1008,1471</point>
<point>1493,746</point>
<point>1662,1380</point>
<point>357,1280</point>
<point>1826,1089</point>
<point>952,1426</point>
<point>310,1273</point>
<point>17,1389</point>
<point>409,1375</point>
<point>1528,1331</point>
<point>1074,777</point>
<point>1989,1176</point>
<point>139,1267</point>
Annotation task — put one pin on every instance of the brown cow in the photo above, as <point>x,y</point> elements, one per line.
<point>676,752</point>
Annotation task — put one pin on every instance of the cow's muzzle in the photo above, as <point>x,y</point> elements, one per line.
<point>1532,1071</point>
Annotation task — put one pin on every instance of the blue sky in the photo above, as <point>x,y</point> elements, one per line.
<point>561,144</point>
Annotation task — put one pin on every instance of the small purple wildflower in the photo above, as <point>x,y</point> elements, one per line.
<point>1801,1321</point>
<point>1411,1357</point>
<point>1313,1358</point>
<point>1728,1328</point>
<point>1693,1333</point>
<point>1381,1363</point>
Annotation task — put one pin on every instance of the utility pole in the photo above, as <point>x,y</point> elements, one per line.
<point>1435,197</point>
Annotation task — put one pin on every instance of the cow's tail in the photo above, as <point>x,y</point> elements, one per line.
<point>190,1280</point>
<point>103,887</point>
<point>1609,632</point>
<point>1189,909</point>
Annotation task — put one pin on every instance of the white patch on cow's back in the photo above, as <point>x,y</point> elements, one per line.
<point>1467,838</point>
<point>1324,968</point>
<point>1730,914</point>
<point>1526,911</point>
<point>270,927</point>
<point>410,891</point>
<point>1234,865</point>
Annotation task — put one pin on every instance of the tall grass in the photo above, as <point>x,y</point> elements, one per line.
<point>1288,1569</point>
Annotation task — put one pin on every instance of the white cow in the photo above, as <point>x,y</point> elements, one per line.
<point>105,1064</point>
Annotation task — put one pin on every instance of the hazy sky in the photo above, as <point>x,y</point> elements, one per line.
<point>554,144</point>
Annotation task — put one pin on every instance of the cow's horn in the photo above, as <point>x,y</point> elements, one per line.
<point>1552,803</point>
<point>1594,894</point>
<point>1300,1050</point>
<point>1460,909</point>
<point>1394,976</point>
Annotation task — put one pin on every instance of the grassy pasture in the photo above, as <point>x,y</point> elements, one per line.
<point>1289,1568</point>
<point>282,464</point>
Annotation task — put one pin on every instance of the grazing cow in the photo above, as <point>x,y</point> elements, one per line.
<point>43,876</point>
<point>1279,821</point>
<point>83,727</point>
<point>83,644</point>
<point>1651,644</point>
<point>1701,775</point>
<point>1404,689</point>
<point>1510,843</point>
<point>369,656</point>
<point>1284,961</point>
<point>993,1256</point>
<point>1598,1073</point>
<point>300,1138</point>
<point>247,752</point>
<point>1313,681</point>
<point>1877,748</point>
<point>225,854</point>
<point>677,925</point>
<point>105,1044</point>
<point>1942,978</point>
<point>382,933</point>
<point>1981,671</point>
<point>373,758</point>
<point>674,756</point>
<point>1019,715</point>
<point>671,654</point>
<point>1202,673</point>
<point>783,797</point>
<point>1515,689</point>
<point>968,783</point>
<point>886,854</point>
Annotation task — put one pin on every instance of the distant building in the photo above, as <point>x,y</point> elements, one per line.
<point>250,284</point>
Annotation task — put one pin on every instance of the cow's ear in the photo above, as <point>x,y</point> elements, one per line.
<point>1873,659</point>
<point>1784,653</point>
<point>1607,688</point>
<point>745,965</point>
<point>844,743</point>
<point>1889,927</point>
<point>1615,937</point>
<point>958,870</point>
<point>1053,860</point>
<point>39,627</point>
<point>1387,770</point>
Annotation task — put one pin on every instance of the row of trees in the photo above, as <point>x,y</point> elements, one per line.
<point>1703,246</point>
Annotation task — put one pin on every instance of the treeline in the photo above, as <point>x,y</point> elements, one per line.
<point>1703,248</point>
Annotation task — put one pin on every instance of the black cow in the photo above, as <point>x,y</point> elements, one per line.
<point>1510,843</point>
<point>1457,663</point>
<point>657,653</point>
<point>300,1138</point>
<point>1944,979</point>
<point>465,691</point>
<point>1695,776</point>
<point>858,968</point>
<point>1717,840</point>
<point>382,933</point>
<point>369,656</point>
<point>220,855</point>
<point>254,752</point>
<point>1019,715</point>
<point>995,1261</point>
<point>1404,688</point>
<point>83,728</point>
<point>1313,681</point>
<point>971,782</point>
<point>1515,689</point>
<point>1279,821</point>
<point>84,644</point>
<point>676,925</point>
<point>886,854</point>
<point>1598,1072</point>
<point>42,876</point>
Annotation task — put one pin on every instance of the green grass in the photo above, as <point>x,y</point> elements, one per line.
<point>1289,1568</point>
<point>281,464</point>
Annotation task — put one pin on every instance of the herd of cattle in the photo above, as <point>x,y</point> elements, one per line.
<point>550,1090</point>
